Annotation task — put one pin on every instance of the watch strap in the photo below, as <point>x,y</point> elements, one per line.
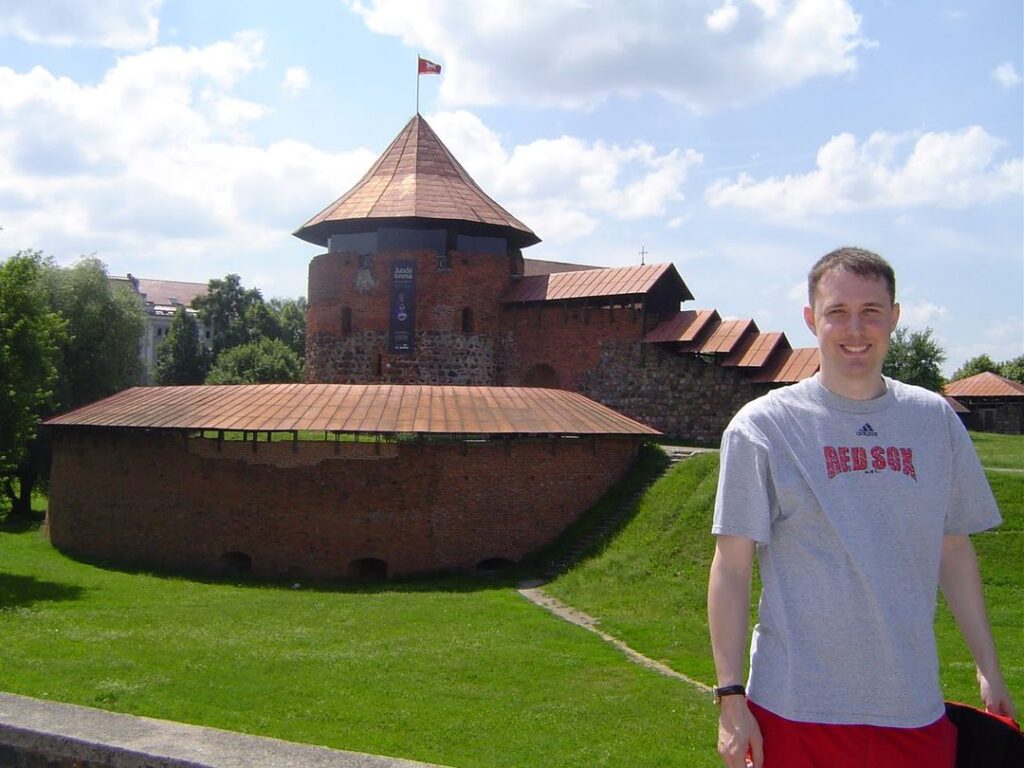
<point>727,690</point>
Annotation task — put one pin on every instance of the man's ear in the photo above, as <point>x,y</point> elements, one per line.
<point>809,319</point>
<point>895,316</point>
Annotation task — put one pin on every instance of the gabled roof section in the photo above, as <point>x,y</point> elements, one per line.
<point>755,350</point>
<point>417,178</point>
<point>985,384</point>
<point>790,366</point>
<point>684,326</point>
<point>725,338</point>
<point>363,408</point>
<point>597,283</point>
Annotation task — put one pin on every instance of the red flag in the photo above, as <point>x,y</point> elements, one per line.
<point>428,67</point>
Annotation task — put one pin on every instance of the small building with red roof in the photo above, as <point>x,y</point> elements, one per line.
<point>995,403</point>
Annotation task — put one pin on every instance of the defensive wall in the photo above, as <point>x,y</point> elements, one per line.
<point>320,509</point>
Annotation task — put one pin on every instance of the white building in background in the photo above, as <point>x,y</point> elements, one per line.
<point>161,299</point>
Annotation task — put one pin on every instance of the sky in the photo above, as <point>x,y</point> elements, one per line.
<point>738,139</point>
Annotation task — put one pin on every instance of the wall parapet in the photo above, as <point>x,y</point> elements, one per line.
<point>46,734</point>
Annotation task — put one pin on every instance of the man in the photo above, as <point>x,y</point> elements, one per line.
<point>858,494</point>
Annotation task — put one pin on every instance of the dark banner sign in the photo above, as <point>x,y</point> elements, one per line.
<point>402,326</point>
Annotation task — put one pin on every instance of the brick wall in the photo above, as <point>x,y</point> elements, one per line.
<point>681,395</point>
<point>312,508</point>
<point>446,352</point>
<point>569,339</point>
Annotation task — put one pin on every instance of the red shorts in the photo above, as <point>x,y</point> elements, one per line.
<point>790,744</point>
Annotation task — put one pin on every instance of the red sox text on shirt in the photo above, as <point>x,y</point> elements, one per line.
<point>840,459</point>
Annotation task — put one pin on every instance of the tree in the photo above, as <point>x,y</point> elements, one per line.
<point>30,338</point>
<point>1013,369</point>
<point>100,355</point>
<point>223,310</point>
<point>264,361</point>
<point>915,358</point>
<point>980,364</point>
<point>182,358</point>
<point>291,323</point>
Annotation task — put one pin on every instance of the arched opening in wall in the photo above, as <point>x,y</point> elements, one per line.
<point>493,565</point>
<point>377,367</point>
<point>236,563</point>
<point>541,375</point>
<point>467,320</point>
<point>346,320</point>
<point>368,569</point>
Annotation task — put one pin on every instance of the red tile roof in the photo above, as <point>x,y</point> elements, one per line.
<point>686,325</point>
<point>791,365</point>
<point>756,350</point>
<point>985,384</point>
<point>366,408</point>
<point>541,267</point>
<point>417,177</point>
<point>595,283</point>
<point>724,338</point>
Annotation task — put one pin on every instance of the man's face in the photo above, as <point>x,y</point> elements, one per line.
<point>852,318</point>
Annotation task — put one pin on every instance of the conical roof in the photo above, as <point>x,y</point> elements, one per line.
<point>417,180</point>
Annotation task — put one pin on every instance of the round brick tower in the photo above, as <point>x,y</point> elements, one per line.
<point>417,258</point>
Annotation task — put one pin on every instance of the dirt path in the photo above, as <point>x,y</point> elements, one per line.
<point>539,597</point>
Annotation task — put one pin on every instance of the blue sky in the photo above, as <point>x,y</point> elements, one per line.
<point>738,139</point>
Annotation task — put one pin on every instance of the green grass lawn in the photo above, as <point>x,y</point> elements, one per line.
<point>461,672</point>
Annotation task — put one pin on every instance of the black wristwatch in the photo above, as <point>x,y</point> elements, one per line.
<point>727,690</point>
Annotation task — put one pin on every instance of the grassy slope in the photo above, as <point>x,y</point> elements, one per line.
<point>453,672</point>
<point>649,585</point>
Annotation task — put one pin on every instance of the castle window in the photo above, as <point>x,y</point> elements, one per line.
<point>467,320</point>
<point>377,364</point>
<point>365,260</point>
<point>444,262</point>
<point>346,320</point>
<point>368,569</point>
<point>236,563</point>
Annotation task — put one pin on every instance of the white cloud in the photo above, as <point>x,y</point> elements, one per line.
<point>573,53</point>
<point>561,187</point>
<point>722,19</point>
<point>118,24</point>
<point>150,160</point>
<point>296,80</point>
<point>1006,75</point>
<point>920,315</point>
<point>955,170</point>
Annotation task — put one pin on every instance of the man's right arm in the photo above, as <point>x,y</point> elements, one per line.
<point>729,620</point>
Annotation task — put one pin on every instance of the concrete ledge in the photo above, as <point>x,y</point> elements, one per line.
<point>43,733</point>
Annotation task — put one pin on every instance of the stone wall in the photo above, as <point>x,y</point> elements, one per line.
<point>685,397</point>
<point>319,509</point>
<point>441,357</point>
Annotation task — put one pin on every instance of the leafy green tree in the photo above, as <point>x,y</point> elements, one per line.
<point>980,364</point>
<point>1013,369</point>
<point>100,355</point>
<point>915,358</point>
<point>291,323</point>
<point>30,338</point>
<point>182,358</point>
<point>264,361</point>
<point>224,308</point>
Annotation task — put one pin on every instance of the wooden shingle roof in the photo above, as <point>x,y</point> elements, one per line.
<point>363,408</point>
<point>985,384</point>
<point>596,283</point>
<point>416,179</point>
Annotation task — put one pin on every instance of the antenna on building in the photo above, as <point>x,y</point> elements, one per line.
<point>643,254</point>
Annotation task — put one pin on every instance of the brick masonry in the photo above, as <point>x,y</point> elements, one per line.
<point>317,509</point>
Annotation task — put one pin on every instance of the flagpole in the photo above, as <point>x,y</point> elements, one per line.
<point>417,84</point>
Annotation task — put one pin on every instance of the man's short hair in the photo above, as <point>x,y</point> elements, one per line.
<point>857,260</point>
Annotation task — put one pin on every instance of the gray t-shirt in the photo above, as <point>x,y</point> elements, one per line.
<point>848,502</point>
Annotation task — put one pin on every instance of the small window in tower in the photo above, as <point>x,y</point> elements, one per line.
<point>365,260</point>
<point>444,261</point>
<point>467,320</point>
<point>377,367</point>
<point>346,320</point>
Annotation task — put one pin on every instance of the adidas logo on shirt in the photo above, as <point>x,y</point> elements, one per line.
<point>867,431</point>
